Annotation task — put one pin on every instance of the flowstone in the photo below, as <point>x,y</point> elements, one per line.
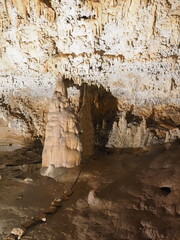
<point>62,147</point>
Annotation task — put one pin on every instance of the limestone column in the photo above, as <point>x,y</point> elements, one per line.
<point>62,147</point>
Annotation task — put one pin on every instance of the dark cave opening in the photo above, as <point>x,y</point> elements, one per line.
<point>97,113</point>
<point>47,3</point>
<point>103,110</point>
<point>166,190</point>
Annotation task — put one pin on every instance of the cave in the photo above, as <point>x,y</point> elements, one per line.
<point>89,120</point>
<point>103,110</point>
<point>96,116</point>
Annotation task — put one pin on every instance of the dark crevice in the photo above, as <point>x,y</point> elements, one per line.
<point>151,123</point>
<point>83,17</point>
<point>166,190</point>
<point>168,121</point>
<point>102,112</point>
<point>131,118</point>
<point>47,3</point>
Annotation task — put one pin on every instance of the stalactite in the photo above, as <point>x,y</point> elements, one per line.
<point>24,8</point>
<point>6,8</point>
<point>20,5</point>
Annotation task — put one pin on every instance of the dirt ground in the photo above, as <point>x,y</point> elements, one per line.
<point>122,196</point>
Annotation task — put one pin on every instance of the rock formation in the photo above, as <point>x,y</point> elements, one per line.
<point>130,48</point>
<point>62,147</point>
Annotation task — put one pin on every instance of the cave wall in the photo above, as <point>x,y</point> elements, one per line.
<point>130,48</point>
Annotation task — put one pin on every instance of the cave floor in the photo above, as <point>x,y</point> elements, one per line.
<point>122,196</point>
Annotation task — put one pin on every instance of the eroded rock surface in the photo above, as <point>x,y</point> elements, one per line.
<point>130,48</point>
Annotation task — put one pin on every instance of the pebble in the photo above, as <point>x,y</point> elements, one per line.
<point>168,146</point>
<point>18,232</point>
<point>28,180</point>
<point>19,196</point>
<point>11,237</point>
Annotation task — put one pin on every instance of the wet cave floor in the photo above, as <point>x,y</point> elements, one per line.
<point>122,196</point>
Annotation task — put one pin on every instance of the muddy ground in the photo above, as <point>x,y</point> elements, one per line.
<point>122,196</point>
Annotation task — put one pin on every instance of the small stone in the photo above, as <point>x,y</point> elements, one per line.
<point>93,200</point>
<point>28,180</point>
<point>10,237</point>
<point>57,202</point>
<point>19,197</point>
<point>40,218</point>
<point>44,219</point>
<point>0,177</point>
<point>168,146</point>
<point>18,232</point>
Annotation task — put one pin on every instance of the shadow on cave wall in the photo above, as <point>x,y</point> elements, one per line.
<point>47,3</point>
<point>103,108</point>
<point>97,113</point>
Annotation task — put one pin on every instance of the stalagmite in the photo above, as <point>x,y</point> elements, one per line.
<point>62,147</point>
<point>130,48</point>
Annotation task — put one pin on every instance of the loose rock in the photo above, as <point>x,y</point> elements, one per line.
<point>28,180</point>
<point>18,232</point>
